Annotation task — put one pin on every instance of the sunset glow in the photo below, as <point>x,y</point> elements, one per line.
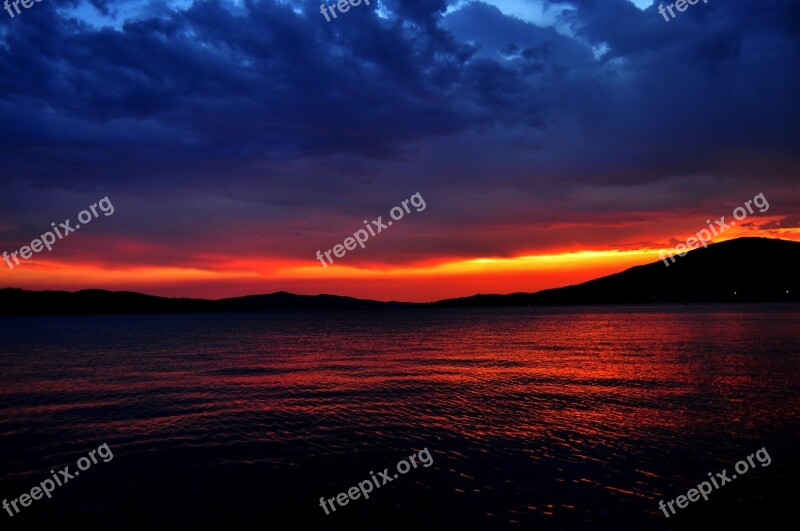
<point>534,137</point>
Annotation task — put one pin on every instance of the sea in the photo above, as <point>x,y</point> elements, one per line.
<point>533,418</point>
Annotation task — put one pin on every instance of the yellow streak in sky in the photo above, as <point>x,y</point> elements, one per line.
<point>528,264</point>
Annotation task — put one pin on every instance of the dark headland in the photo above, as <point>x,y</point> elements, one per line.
<point>740,270</point>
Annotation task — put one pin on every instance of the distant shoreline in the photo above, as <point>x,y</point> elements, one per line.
<point>744,270</point>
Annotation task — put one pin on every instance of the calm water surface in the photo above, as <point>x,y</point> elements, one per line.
<point>571,418</point>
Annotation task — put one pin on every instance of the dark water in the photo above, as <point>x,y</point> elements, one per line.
<point>534,418</point>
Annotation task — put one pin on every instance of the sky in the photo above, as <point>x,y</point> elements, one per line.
<point>552,142</point>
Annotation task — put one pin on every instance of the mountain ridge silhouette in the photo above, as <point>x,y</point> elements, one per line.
<point>739,270</point>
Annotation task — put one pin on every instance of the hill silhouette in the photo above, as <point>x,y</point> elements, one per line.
<point>97,301</point>
<point>740,270</point>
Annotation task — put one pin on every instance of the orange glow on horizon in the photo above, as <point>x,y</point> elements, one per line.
<point>436,278</point>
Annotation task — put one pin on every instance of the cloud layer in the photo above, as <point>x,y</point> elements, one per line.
<point>256,130</point>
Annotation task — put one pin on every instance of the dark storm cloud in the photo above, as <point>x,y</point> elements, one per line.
<point>278,119</point>
<point>717,81</point>
<point>262,81</point>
